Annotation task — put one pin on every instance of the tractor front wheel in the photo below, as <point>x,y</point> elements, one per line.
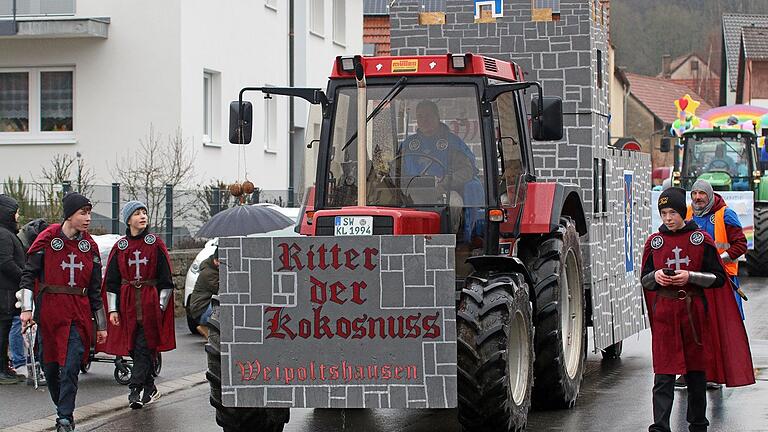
<point>495,353</point>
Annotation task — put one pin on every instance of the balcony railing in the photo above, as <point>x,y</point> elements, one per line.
<point>36,8</point>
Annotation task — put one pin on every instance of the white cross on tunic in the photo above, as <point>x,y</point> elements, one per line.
<point>71,266</point>
<point>677,261</point>
<point>138,261</point>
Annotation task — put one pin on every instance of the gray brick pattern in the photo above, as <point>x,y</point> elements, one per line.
<point>563,56</point>
<point>412,275</point>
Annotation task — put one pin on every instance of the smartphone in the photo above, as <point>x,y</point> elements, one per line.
<point>669,272</point>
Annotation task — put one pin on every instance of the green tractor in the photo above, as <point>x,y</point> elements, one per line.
<point>729,159</point>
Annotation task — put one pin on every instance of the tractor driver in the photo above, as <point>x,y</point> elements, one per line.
<point>435,151</point>
<point>721,161</point>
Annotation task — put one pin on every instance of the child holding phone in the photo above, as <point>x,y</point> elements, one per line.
<point>690,306</point>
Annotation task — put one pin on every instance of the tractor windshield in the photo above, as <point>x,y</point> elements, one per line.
<point>724,161</point>
<point>424,148</point>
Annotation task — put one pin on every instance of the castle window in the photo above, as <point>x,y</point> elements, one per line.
<point>545,10</point>
<point>599,69</point>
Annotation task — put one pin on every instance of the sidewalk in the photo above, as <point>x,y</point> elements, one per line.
<point>113,405</point>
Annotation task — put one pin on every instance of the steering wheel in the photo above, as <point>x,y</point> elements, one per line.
<point>718,164</point>
<point>430,158</point>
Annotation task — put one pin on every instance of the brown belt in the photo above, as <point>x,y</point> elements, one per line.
<point>63,289</point>
<point>138,285</point>
<point>688,297</point>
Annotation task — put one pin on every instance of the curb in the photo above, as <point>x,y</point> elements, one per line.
<point>113,405</point>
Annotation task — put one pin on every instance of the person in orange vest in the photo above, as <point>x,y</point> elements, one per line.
<point>713,216</point>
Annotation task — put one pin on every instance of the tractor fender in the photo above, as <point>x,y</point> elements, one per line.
<point>500,263</point>
<point>546,203</point>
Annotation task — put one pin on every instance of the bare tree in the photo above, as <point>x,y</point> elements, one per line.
<point>157,162</point>
<point>49,184</point>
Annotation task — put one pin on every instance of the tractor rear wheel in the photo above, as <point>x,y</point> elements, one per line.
<point>757,259</point>
<point>495,353</point>
<point>236,419</point>
<point>554,261</point>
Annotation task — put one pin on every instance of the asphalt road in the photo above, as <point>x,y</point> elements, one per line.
<point>615,396</point>
<point>21,403</point>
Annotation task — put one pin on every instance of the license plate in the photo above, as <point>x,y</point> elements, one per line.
<point>354,225</point>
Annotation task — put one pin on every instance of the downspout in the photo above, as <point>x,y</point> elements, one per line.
<point>291,119</point>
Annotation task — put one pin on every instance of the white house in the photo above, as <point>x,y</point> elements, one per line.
<point>91,76</point>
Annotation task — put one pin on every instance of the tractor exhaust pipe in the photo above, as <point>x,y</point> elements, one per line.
<point>362,133</point>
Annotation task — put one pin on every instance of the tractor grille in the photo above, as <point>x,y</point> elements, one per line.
<point>490,64</point>
<point>382,225</point>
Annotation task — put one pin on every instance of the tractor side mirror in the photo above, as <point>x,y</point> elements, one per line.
<point>666,145</point>
<point>548,119</point>
<point>240,134</point>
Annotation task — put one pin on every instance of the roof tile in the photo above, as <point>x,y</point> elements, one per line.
<point>659,95</point>
<point>732,25</point>
<point>755,40</point>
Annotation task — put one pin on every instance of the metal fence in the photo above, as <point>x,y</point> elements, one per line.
<point>174,213</point>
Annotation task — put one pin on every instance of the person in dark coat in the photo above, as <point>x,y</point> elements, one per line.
<point>61,282</point>
<point>206,286</point>
<point>27,234</point>
<point>695,325</point>
<point>139,293</point>
<point>11,265</point>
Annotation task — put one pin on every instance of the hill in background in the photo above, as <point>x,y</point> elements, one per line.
<point>644,30</point>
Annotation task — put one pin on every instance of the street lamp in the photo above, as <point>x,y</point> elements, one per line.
<point>79,171</point>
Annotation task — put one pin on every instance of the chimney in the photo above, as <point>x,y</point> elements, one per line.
<point>666,62</point>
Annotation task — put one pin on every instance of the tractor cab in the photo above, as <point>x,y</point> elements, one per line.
<point>444,141</point>
<point>726,158</point>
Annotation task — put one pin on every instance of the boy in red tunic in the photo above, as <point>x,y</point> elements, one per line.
<point>139,292</point>
<point>695,324</point>
<point>62,280</point>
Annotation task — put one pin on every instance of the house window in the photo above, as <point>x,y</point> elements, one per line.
<point>211,107</point>
<point>317,17</point>
<point>270,124</point>
<point>339,22</point>
<point>207,108</point>
<point>56,101</point>
<point>14,102</point>
<point>37,105</point>
<point>37,7</point>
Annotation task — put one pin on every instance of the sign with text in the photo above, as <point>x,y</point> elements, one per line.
<point>740,202</point>
<point>338,322</point>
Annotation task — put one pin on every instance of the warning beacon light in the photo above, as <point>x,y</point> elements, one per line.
<point>458,61</point>
<point>348,64</point>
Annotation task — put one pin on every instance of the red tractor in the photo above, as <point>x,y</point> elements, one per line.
<point>446,145</point>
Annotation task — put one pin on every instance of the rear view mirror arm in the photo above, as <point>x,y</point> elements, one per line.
<point>314,96</point>
<point>493,92</point>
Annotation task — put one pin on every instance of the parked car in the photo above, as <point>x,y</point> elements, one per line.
<point>105,243</point>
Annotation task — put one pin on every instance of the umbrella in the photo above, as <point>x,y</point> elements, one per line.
<point>244,220</point>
